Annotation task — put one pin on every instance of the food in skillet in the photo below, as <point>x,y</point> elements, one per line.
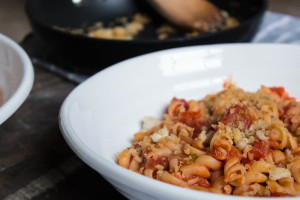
<point>127,28</point>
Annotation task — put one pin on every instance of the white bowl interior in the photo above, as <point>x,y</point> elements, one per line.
<point>11,73</point>
<point>16,76</point>
<point>101,115</point>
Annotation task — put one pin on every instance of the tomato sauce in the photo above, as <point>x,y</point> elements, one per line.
<point>246,161</point>
<point>193,119</point>
<point>203,182</point>
<point>178,109</point>
<point>280,195</point>
<point>235,114</point>
<point>160,160</point>
<point>176,105</point>
<point>217,154</point>
<point>234,153</point>
<point>280,91</point>
<point>260,149</point>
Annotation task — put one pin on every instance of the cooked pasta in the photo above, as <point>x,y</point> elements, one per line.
<point>232,142</point>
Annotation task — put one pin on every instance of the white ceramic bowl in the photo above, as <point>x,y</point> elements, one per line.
<point>16,77</point>
<point>98,119</point>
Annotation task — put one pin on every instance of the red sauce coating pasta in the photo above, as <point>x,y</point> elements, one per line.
<point>235,115</point>
<point>152,162</point>
<point>260,149</point>
<point>232,142</point>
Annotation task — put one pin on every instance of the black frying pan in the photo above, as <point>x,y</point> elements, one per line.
<point>95,54</point>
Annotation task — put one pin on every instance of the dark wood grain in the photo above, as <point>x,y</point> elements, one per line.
<point>35,161</point>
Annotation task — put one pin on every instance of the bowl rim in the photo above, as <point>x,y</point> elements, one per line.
<point>117,173</point>
<point>25,86</point>
<point>36,22</point>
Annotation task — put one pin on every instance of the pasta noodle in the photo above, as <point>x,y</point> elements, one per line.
<point>232,142</point>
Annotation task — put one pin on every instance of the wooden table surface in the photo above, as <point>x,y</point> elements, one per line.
<point>35,161</point>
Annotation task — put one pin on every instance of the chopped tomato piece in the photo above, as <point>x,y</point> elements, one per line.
<point>280,91</point>
<point>260,149</point>
<point>194,120</point>
<point>236,115</point>
<point>160,160</point>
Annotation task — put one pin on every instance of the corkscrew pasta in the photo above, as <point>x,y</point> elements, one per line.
<point>232,142</point>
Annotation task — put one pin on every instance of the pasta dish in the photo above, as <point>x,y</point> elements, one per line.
<point>232,142</point>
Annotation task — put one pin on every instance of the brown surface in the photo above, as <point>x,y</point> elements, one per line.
<point>35,161</point>
<point>1,97</point>
<point>13,20</point>
<point>290,7</point>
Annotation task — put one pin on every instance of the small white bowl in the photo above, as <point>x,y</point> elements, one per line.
<point>99,117</point>
<point>16,77</point>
